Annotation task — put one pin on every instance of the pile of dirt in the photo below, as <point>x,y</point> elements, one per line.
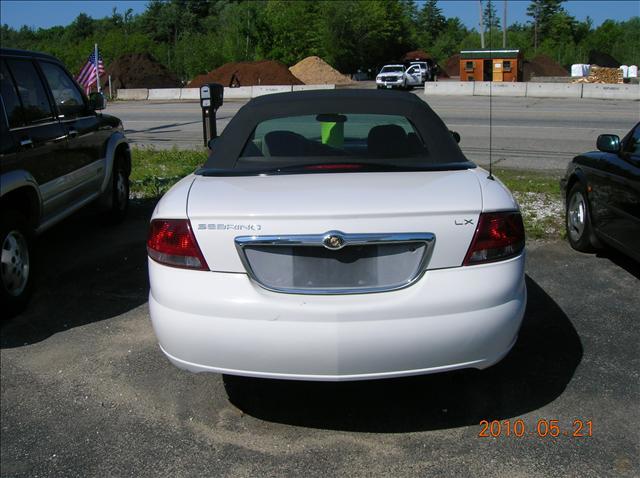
<point>603,59</point>
<point>313,70</point>
<point>416,55</point>
<point>140,70</point>
<point>542,65</point>
<point>248,73</point>
<point>452,65</point>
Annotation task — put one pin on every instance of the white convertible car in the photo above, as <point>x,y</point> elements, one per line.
<point>336,235</point>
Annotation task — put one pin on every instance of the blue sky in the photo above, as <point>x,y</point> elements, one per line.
<point>45,14</point>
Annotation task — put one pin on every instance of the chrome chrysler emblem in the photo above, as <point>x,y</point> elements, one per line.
<point>333,241</point>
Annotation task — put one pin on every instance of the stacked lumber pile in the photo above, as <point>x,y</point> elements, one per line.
<point>600,74</point>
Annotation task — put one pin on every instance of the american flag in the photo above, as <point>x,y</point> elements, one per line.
<point>87,76</point>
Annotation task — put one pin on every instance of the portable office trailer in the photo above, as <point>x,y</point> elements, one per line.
<point>491,65</point>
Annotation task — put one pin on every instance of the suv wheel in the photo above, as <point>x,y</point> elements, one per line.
<point>16,271</point>
<point>120,192</point>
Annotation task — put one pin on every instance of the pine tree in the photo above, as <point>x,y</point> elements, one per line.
<point>542,11</point>
<point>431,22</point>
<point>490,16</point>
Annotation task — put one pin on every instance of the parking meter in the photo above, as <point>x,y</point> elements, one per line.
<point>211,98</point>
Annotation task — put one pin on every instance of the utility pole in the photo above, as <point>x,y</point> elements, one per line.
<point>504,26</point>
<point>246,48</point>
<point>481,25</point>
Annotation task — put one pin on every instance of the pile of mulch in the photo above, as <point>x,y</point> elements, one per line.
<point>603,59</point>
<point>248,73</point>
<point>542,65</point>
<point>313,70</point>
<point>416,55</point>
<point>140,70</point>
<point>451,65</point>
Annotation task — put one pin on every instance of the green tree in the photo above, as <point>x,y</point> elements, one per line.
<point>490,17</point>
<point>293,30</point>
<point>449,40</point>
<point>430,24</point>
<point>82,26</point>
<point>541,12</point>
<point>366,33</point>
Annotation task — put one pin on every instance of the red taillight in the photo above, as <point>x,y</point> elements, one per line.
<point>171,242</point>
<point>499,236</point>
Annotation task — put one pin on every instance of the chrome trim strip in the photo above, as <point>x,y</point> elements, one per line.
<point>51,221</point>
<point>34,125</point>
<point>66,183</point>
<point>68,120</point>
<point>318,240</point>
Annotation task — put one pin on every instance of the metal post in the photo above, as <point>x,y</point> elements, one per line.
<point>204,126</point>
<point>481,25</point>
<point>95,51</point>
<point>504,26</point>
<point>213,131</point>
<point>110,90</point>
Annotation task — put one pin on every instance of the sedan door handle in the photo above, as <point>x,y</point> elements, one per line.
<point>26,142</point>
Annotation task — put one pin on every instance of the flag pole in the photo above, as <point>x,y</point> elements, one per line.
<point>96,65</point>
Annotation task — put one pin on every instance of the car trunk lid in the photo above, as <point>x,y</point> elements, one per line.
<point>446,204</point>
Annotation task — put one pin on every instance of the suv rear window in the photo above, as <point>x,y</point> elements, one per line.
<point>35,103</point>
<point>309,139</point>
<point>65,93</point>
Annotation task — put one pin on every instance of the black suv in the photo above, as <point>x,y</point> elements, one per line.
<point>56,155</point>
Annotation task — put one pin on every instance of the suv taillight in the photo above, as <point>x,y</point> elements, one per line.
<point>171,242</point>
<point>499,236</point>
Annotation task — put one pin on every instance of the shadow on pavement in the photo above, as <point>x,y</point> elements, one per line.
<point>87,271</point>
<point>534,373</point>
<point>619,259</point>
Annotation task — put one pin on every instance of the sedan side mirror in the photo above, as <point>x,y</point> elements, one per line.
<point>608,143</point>
<point>456,135</point>
<point>97,101</point>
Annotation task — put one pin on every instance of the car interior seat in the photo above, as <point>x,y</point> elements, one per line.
<point>284,143</point>
<point>387,140</point>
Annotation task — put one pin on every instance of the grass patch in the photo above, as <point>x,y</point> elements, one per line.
<point>540,199</point>
<point>538,193</point>
<point>154,171</point>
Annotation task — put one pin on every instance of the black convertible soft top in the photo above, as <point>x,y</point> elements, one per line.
<point>436,136</point>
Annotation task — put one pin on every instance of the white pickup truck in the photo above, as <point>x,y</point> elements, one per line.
<point>396,76</point>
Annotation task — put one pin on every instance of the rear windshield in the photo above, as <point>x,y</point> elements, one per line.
<point>335,139</point>
<point>334,131</point>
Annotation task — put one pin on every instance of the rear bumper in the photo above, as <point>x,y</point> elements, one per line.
<point>466,317</point>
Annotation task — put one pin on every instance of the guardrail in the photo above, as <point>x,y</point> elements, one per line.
<point>242,92</point>
<point>532,89</point>
<point>440,88</point>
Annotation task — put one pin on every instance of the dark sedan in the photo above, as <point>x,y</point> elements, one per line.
<point>602,190</point>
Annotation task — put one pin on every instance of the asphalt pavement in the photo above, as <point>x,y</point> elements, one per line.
<point>85,391</point>
<point>525,133</point>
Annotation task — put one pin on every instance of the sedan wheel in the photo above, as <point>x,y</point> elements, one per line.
<point>578,219</point>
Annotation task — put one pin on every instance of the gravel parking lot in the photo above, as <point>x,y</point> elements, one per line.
<point>85,390</point>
